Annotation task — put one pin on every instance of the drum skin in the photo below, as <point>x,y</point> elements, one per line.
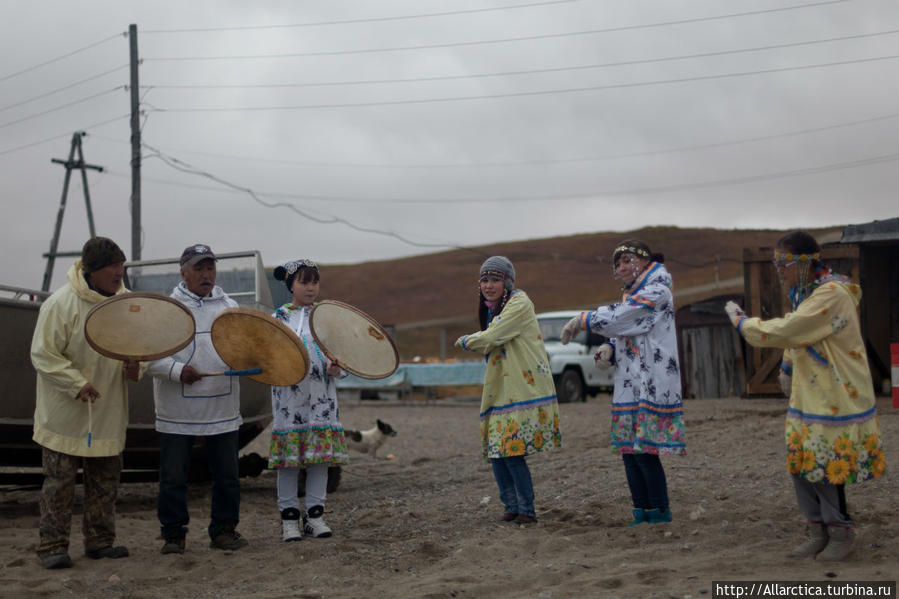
<point>353,339</point>
<point>139,326</point>
<point>247,338</point>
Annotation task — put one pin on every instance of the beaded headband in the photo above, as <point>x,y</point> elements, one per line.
<point>493,273</point>
<point>780,256</point>
<point>628,249</point>
<point>292,267</point>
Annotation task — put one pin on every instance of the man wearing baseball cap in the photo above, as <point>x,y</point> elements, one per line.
<point>190,404</point>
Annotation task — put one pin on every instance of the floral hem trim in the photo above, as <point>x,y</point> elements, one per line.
<point>315,445</point>
<point>837,455</point>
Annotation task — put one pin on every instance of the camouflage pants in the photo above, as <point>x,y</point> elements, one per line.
<point>101,484</point>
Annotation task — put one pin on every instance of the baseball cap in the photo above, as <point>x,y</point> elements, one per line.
<point>194,253</point>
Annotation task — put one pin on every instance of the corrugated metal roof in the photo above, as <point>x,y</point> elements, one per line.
<point>878,230</point>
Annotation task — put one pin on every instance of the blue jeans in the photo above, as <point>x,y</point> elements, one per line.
<point>174,467</point>
<point>516,491</point>
<point>646,478</point>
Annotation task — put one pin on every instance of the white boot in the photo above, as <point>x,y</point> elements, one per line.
<point>290,525</point>
<point>816,540</point>
<point>313,524</point>
<point>839,544</point>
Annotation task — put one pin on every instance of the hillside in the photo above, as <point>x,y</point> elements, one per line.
<point>423,294</point>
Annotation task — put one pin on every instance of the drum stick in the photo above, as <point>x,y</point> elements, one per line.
<point>89,420</point>
<point>244,372</point>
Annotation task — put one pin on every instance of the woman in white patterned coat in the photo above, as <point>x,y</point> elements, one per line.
<point>647,408</point>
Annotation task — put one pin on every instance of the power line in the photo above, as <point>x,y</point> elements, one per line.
<point>758,178</point>
<point>59,89</point>
<point>64,56</point>
<point>543,162</point>
<point>501,41</point>
<point>527,71</point>
<point>591,88</point>
<point>61,135</point>
<point>187,168</point>
<point>72,103</point>
<point>355,21</point>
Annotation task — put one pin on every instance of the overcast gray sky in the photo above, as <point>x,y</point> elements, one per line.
<point>443,124</point>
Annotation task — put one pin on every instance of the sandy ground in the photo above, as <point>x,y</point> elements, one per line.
<point>424,523</point>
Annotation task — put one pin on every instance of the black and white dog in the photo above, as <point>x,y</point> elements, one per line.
<point>370,440</point>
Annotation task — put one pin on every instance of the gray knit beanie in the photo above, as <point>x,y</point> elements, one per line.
<point>499,266</point>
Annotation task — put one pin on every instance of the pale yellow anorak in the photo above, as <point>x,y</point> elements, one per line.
<point>832,432</point>
<point>65,362</point>
<point>519,409</point>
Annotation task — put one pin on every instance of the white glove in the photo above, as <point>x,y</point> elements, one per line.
<point>571,328</point>
<point>786,383</point>
<point>603,356</point>
<point>734,312</point>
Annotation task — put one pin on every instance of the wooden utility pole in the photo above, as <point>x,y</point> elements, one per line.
<point>135,147</point>
<point>70,164</point>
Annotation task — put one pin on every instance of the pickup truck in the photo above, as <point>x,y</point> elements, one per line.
<point>572,366</point>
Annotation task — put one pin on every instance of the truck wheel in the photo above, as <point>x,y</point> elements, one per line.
<point>570,387</point>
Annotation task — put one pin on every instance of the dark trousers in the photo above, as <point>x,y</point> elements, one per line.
<point>101,484</point>
<point>646,478</point>
<point>516,490</point>
<point>174,468</point>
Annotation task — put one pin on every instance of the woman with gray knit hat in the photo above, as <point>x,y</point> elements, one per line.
<point>519,410</point>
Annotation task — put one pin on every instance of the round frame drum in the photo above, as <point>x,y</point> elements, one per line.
<point>139,326</point>
<point>246,338</point>
<point>353,339</point>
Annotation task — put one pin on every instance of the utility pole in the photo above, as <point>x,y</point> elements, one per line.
<point>70,164</point>
<point>135,147</point>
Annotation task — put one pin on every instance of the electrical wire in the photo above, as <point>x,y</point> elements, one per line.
<point>591,88</point>
<point>555,197</point>
<point>509,40</point>
<point>544,162</point>
<point>59,89</point>
<point>525,71</point>
<point>63,106</point>
<point>187,168</point>
<point>356,21</point>
<point>64,56</point>
<point>61,135</point>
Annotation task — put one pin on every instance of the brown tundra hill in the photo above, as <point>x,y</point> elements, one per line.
<point>426,296</point>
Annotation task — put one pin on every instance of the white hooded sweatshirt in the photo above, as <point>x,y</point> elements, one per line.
<point>210,406</point>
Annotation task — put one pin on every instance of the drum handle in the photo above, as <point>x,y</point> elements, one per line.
<point>244,372</point>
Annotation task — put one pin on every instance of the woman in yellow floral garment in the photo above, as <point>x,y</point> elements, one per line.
<point>519,410</point>
<point>832,432</point>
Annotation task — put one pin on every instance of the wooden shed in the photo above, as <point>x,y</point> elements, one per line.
<point>711,353</point>
<point>878,268</point>
<point>765,297</point>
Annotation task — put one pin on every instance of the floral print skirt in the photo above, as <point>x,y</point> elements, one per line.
<point>834,454</point>
<point>520,429</point>
<point>648,428</point>
<point>313,445</point>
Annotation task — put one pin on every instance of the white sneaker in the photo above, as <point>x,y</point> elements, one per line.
<point>290,525</point>
<point>313,524</point>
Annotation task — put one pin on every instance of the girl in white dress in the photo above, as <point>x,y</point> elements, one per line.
<point>306,428</point>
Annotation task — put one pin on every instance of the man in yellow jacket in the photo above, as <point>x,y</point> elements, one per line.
<point>69,375</point>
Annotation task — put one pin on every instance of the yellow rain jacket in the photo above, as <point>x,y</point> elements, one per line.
<point>65,362</point>
<point>832,431</point>
<point>519,409</point>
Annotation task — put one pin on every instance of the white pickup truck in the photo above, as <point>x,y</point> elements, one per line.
<point>574,371</point>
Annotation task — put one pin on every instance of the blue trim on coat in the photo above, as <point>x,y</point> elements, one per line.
<point>518,405</point>
<point>859,417</point>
